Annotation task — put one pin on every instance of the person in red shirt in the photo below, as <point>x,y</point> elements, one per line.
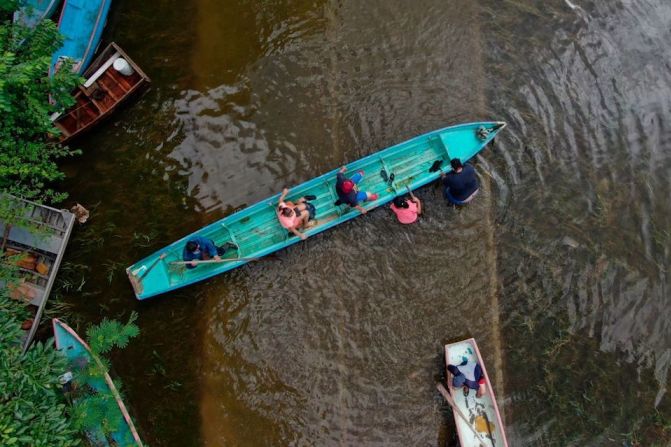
<point>407,210</point>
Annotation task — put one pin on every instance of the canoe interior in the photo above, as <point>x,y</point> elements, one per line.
<point>479,410</point>
<point>81,23</point>
<point>78,354</point>
<point>34,11</point>
<point>105,93</point>
<point>256,231</point>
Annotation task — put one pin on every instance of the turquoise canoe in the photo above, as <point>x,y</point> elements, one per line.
<point>81,23</point>
<point>78,353</point>
<point>256,231</point>
<point>33,12</point>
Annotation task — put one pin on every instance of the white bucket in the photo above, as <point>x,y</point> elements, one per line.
<point>123,67</point>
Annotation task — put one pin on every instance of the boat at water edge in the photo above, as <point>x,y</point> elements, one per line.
<point>477,419</point>
<point>256,231</point>
<point>81,23</point>
<point>111,80</point>
<point>79,354</point>
<point>33,12</point>
<point>35,240</point>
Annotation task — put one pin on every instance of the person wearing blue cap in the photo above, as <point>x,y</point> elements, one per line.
<point>468,375</point>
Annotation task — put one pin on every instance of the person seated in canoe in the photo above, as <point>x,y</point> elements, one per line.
<point>294,216</point>
<point>348,193</point>
<point>407,210</point>
<point>202,249</point>
<point>461,184</point>
<point>468,375</point>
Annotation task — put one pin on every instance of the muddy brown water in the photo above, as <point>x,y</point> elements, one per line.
<point>559,269</point>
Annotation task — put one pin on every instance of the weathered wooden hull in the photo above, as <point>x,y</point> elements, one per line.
<point>82,23</point>
<point>480,411</point>
<point>76,350</point>
<point>256,231</point>
<point>39,235</point>
<point>104,90</point>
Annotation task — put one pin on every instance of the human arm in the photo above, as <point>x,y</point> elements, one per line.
<point>208,246</point>
<point>342,170</point>
<point>188,256</point>
<point>303,236</point>
<point>482,382</point>
<point>361,209</point>
<point>283,196</point>
<point>418,203</point>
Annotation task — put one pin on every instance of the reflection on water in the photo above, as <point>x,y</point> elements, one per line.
<point>558,269</point>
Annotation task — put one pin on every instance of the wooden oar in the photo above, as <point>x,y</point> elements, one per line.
<point>455,408</point>
<point>212,261</point>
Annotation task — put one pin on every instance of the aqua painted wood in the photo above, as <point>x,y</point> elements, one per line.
<point>82,23</point>
<point>78,353</point>
<point>33,12</point>
<point>256,231</point>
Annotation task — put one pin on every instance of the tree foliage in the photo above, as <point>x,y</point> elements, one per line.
<point>28,97</point>
<point>32,409</point>
<point>96,411</point>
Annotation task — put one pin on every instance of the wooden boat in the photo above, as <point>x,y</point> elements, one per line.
<point>104,90</point>
<point>79,354</point>
<point>37,239</point>
<point>34,11</point>
<point>82,23</point>
<point>256,231</point>
<point>477,419</point>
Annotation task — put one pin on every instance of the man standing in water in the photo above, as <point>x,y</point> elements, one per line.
<point>461,184</point>
<point>348,192</point>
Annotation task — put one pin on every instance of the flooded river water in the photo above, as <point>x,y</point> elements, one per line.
<point>558,269</point>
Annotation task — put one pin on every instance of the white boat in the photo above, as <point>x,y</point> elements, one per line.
<point>477,418</point>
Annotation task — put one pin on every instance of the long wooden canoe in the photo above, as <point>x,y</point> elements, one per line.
<point>78,354</point>
<point>104,90</point>
<point>477,419</point>
<point>256,231</point>
<point>33,12</point>
<point>81,23</point>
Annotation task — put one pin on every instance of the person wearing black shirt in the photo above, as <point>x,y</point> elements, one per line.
<point>461,184</point>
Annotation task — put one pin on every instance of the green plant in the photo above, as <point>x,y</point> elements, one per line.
<point>95,408</point>
<point>32,409</point>
<point>28,97</point>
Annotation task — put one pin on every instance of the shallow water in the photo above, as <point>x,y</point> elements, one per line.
<point>559,269</point>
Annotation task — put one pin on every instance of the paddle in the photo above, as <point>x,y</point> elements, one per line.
<point>213,261</point>
<point>454,406</point>
<point>489,428</point>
